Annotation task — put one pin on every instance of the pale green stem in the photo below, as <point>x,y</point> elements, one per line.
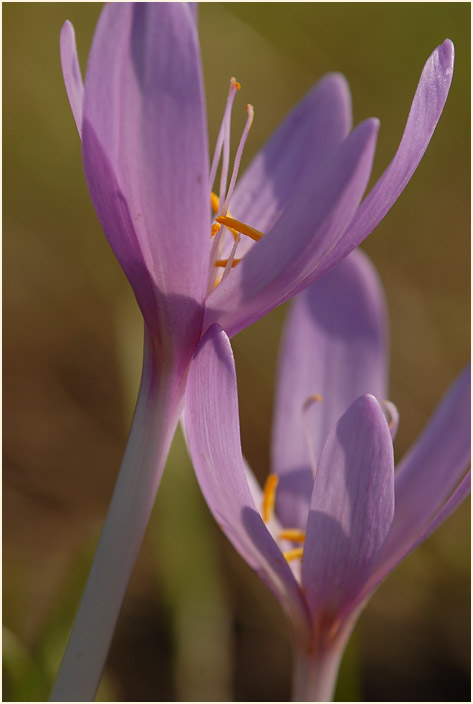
<point>154,423</point>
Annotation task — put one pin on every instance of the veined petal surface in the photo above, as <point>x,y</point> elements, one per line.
<point>213,436</point>
<point>300,239</point>
<point>71,72</point>
<point>146,161</point>
<point>426,108</point>
<point>334,345</point>
<point>293,153</point>
<point>351,509</point>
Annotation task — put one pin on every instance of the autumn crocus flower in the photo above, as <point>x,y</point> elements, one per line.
<point>141,118</point>
<point>334,517</point>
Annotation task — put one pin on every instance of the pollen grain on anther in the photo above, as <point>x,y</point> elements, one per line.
<point>234,83</point>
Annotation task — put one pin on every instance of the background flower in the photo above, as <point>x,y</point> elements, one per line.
<point>358,519</point>
<point>72,353</point>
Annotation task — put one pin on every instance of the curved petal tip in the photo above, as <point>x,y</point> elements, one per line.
<point>446,51</point>
<point>71,71</point>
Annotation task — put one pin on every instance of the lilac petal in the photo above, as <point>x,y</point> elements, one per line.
<point>351,509</point>
<point>213,436</point>
<point>313,129</point>
<point>194,8</point>
<point>71,72</point>
<point>302,236</point>
<point>452,503</point>
<point>389,558</point>
<point>334,345</point>
<point>431,470</point>
<point>426,108</point>
<point>146,162</point>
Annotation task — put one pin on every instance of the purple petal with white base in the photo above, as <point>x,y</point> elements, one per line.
<point>351,510</point>
<point>334,346</point>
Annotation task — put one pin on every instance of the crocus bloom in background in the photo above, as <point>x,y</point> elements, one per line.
<point>141,118</point>
<point>334,518</point>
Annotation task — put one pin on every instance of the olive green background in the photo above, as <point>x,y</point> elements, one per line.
<point>196,623</point>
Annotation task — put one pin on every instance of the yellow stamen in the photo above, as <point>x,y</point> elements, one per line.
<point>293,554</point>
<point>224,262</point>
<point>215,228</point>
<point>235,83</point>
<point>269,496</point>
<point>297,536</point>
<point>214,204</point>
<point>240,227</point>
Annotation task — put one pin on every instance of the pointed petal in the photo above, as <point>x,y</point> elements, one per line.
<point>213,436</point>
<point>431,470</point>
<point>389,558</point>
<point>313,129</point>
<point>194,8</point>
<point>71,72</point>
<point>351,509</point>
<point>452,503</point>
<point>308,228</point>
<point>334,345</point>
<point>426,108</point>
<point>145,157</point>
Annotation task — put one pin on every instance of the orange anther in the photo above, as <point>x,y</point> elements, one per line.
<point>214,202</point>
<point>240,227</point>
<point>297,536</point>
<point>224,262</point>
<point>313,398</point>
<point>293,554</point>
<point>269,496</point>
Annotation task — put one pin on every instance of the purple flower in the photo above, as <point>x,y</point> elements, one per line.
<point>334,518</point>
<point>141,117</point>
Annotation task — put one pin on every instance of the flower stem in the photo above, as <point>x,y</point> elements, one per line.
<point>154,422</point>
<point>316,669</point>
<point>315,676</point>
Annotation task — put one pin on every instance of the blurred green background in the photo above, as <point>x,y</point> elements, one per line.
<point>196,623</point>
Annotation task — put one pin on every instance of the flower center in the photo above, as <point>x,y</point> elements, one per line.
<point>267,509</point>
<point>223,249</point>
